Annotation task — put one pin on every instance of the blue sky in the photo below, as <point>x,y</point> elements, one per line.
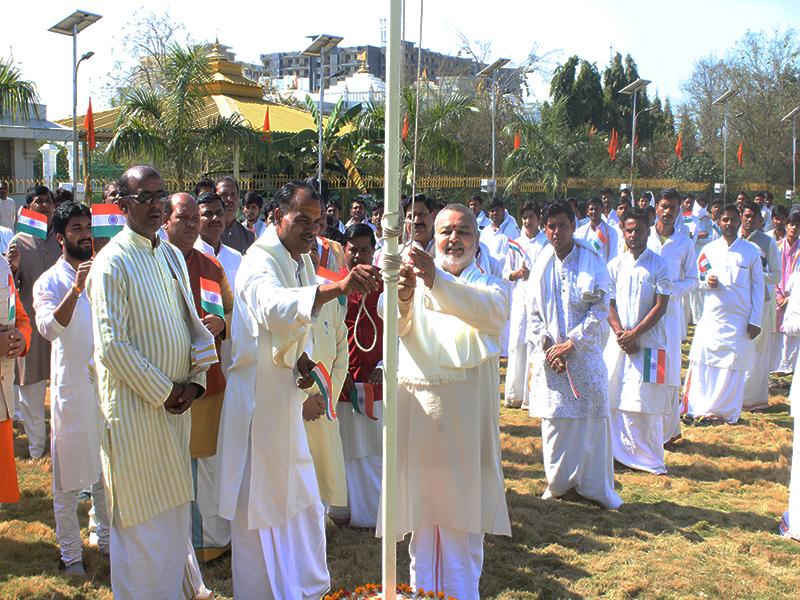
<point>665,38</point>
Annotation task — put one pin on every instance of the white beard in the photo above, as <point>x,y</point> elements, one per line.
<point>456,264</point>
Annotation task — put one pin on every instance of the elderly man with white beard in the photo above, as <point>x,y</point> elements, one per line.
<point>450,480</point>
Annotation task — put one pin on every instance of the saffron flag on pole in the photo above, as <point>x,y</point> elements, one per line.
<point>32,223</point>
<point>88,125</point>
<point>322,378</point>
<point>267,135</point>
<point>363,397</point>
<point>12,301</point>
<point>679,147</point>
<point>740,154</point>
<point>517,140</point>
<point>654,369</point>
<point>107,220</point>
<point>211,297</point>
<point>405,127</point>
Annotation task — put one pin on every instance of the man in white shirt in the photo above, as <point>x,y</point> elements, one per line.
<point>636,355</point>
<point>501,229</point>
<point>334,209</point>
<point>732,279</point>
<point>476,206</point>
<point>597,233</point>
<point>8,208</point>
<point>63,317</point>
<point>569,289</point>
<point>358,213</point>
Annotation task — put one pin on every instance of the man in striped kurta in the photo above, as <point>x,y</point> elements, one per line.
<point>151,354</point>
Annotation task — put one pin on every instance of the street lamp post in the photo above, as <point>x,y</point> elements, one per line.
<point>492,70</point>
<point>632,89</point>
<point>793,116</point>
<point>321,44</point>
<point>724,99</point>
<point>72,26</point>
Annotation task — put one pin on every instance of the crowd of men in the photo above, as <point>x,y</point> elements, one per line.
<point>216,383</point>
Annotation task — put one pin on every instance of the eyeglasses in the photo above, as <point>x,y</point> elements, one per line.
<point>149,197</point>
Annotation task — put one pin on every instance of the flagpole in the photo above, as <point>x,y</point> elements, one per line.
<point>390,272</point>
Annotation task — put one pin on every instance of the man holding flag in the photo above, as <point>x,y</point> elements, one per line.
<point>32,251</point>
<point>265,481</point>
<point>732,278</point>
<point>597,232</point>
<point>636,356</point>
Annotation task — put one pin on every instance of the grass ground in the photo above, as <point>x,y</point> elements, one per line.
<point>708,530</point>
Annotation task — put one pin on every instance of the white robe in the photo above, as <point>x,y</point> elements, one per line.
<point>721,339</point>
<point>496,240</point>
<point>608,249</point>
<point>448,408</point>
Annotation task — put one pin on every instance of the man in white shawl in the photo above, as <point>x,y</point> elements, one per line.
<point>502,227</point>
<point>597,233</point>
<point>450,479</point>
<point>636,355</point>
<point>569,291</point>
<point>790,522</point>
<point>732,279</point>
<point>266,481</point>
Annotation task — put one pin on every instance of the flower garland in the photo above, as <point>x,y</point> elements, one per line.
<point>372,590</point>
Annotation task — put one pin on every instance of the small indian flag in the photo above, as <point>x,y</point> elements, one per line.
<point>654,369</point>
<point>363,397</point>
<point>515,246</point>
<point>703,265</point>
<point>322,378</point>
<point>32,222</point>
<point>687,217</point>
<point>107,220</point>
<point>211,297</point>
<point>12,301</point>
<point>716,228</point>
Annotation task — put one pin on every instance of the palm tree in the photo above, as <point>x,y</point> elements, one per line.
<point>17,97</point>
<point>168,125</point>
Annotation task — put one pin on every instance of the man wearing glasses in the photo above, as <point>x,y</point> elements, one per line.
<point>151,353</point>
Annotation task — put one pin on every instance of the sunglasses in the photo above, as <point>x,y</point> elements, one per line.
<point>149,197</point>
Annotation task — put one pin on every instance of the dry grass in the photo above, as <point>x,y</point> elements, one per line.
<point>706,530</point>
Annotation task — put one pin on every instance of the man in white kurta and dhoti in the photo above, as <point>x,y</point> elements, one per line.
<point>266,483</point>
<point>636,354</point>
<point>449,474</point>
<point>519,261</point>
<point>151,353</point>
<point>756,379</point>
<point>64,318</point>
<point>732,279</point>
<point>790,522</point>
<point>569,290</point>
<point>677,250</point>
<point>785,346</point>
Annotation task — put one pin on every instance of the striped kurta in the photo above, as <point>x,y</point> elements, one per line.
<point>143,335</point>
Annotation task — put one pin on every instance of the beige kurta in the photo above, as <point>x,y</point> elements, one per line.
<point>448,409</point>
<point>35,257</point>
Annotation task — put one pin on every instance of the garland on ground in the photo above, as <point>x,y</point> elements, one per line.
<point>372,590</point>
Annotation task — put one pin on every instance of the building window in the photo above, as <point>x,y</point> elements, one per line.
<point>5,159</point>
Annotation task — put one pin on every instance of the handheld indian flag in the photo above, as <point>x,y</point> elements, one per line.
<point>599,240</point>
<point>515,246</point>
<point>327,276</point>
<point>211,297</point>
<point>654,369</point>
<point>107,220</point>
<point>703,265</point>
<point>12,301</point>
<point>322,378</point>
<point>687,217</point>
<point>363,398</point>
<point>32,222</point>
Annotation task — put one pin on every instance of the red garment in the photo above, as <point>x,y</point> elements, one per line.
<point>9,489</point>
<point>362,363</point>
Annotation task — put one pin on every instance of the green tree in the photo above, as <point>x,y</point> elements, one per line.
<point>17,96</point>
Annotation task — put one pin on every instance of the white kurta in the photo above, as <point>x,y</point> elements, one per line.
<point>76,417</point>
<point>721,339</point>
<point>448,458</point>
<point>496,240</point>
<point>609,248</point>
<point>790,523</point>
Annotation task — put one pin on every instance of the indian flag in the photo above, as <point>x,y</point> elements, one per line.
<point>107,220</point>
<point>12,301</point>
<point>322,378</point>
<point>654,369</point>
<point>32,222</point>
<point>515,246</point>
<point>211,297</point>
<point>687,217</point>
<point>599,240</point>
<point>363,398</point>
<point>716,228</point>
<point>703,265</point>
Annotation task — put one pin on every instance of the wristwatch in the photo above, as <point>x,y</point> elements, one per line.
<point>76,290</point>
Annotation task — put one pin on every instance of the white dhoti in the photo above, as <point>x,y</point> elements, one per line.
<point>790,523</point>
<point>31,408</point>
<point>756,380</point>
<point>577,454</point>
<point>155,559</point>
<point>638,440</point>
<point>447,561</point>
<point>671,422</point>
<point>278,562</point>
<point>714,392</point>
<point>362,445</point>
<point>784,353</point>
<point>211,534</point>
<point>516,376</point>
<point>696,304</point>
<point>68,530</point>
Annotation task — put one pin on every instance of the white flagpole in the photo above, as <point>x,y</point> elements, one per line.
<point>392,222</point>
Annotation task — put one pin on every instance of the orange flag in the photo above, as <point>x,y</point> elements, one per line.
<point>679,147</point>
<point>405,127</point>
<point>517,141</point>
<point>88,125</point>
<point>740,154</point>
<point>265,128</point>
<point>613,145</point>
